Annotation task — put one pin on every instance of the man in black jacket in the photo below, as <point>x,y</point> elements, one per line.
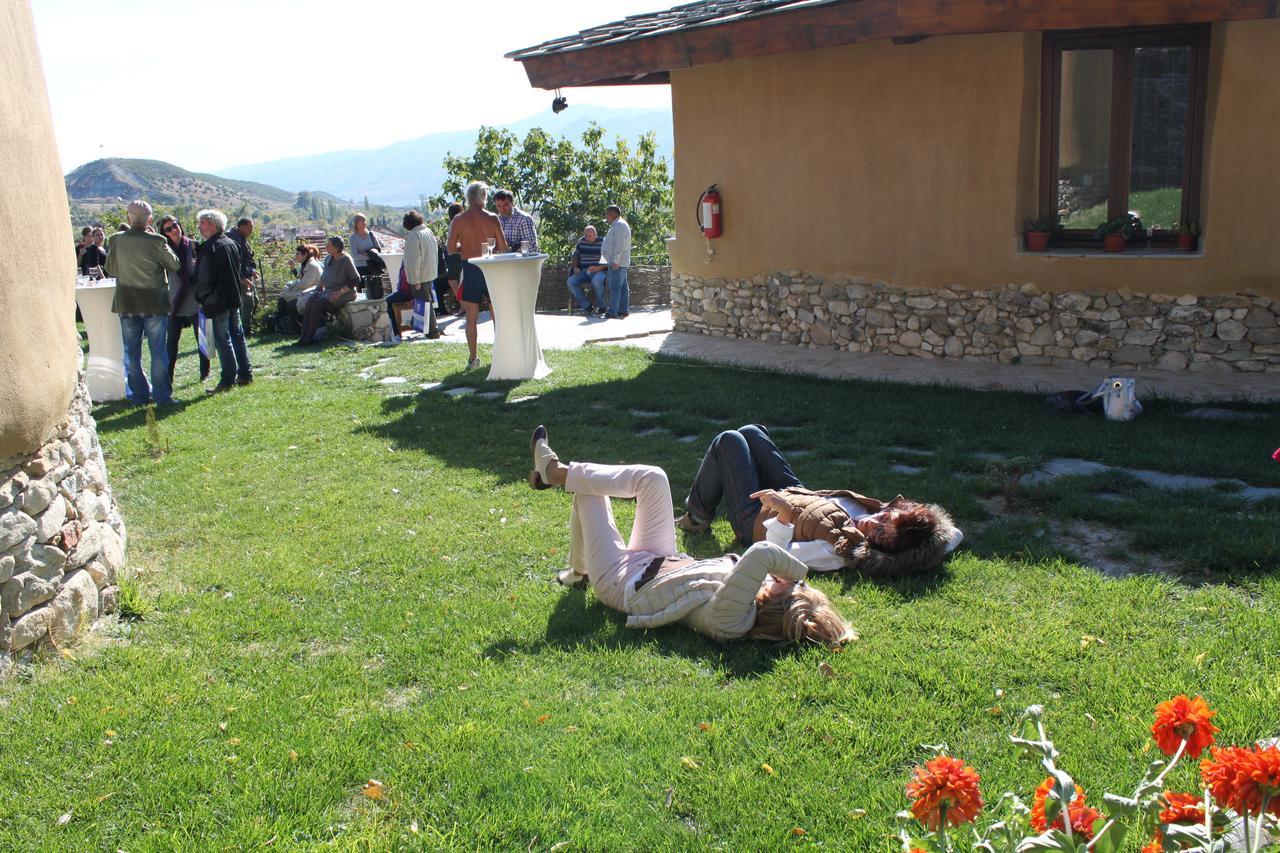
<point>248,270</point>
<point>218,290</point>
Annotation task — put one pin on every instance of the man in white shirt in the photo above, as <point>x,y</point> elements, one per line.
<point>616,255</point>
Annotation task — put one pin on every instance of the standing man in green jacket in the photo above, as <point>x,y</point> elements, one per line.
<point>140,260</point>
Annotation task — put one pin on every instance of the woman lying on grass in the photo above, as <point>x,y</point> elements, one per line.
<point>827,530</point>
<point>761,595</point>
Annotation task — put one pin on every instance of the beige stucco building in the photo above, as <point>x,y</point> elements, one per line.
<point>877,161</point>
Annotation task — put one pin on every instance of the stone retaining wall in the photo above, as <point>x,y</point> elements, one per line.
<point>647,287</point>
<point>1103,329</point>
<point>62,539</point>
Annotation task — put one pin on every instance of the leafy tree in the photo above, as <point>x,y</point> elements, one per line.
<point>304,201</point>
<point>316,213</point>
<point>566,186</point>
<point>366,203</point>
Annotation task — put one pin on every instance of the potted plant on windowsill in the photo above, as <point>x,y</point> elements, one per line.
<point>1187,234</point>
<point>1116,232</point>
<point>1038,231</point>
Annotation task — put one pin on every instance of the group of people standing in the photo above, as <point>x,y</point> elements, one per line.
<point>166,282</point>
<point>602,264</point>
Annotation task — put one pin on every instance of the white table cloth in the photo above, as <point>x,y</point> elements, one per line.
<point>393,261</point>
<point>104,375</point>
<point>513,289</point>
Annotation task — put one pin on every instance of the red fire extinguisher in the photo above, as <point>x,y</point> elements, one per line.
<point>709,218</point>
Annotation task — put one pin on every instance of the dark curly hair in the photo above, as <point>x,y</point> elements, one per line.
<point>911,527</point>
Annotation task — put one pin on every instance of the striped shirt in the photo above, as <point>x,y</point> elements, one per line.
<point>588,254</point>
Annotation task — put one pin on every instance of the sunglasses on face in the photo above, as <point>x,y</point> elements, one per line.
<point>168,228</point>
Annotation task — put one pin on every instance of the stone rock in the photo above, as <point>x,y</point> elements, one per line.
<point>39,494</point>
<point>1192,315</point>
<point>102,575</point>
<point>879,319</point>
<point>1172,361</point>
<point>50,522</point>
<point>988,315</point>
<point>22,592</point>
<point>12,489</point>
<point>1042,336</point>
<point>1087,337</point>
<point>75,606</point>
<point>1141,338</point>
<point>109,599</point>
<point>910,340</point>
<point>1074,302</point>
<point>30,628</point>
<point>954,347</point>
<point>921,303</point>
<point>39,466</point>
<point>7,564</point>
<point>820,334</point>
<point>1265,335</point>
<point>1130,354</point>
<point>47,561</point>
<point>1259,318</point>
<point>15,525</point>
<point>1230,330</point>
<point>90,545</point>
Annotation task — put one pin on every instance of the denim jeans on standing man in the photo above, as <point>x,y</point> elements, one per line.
<point>619,302</point>
<point>233,355</point>
<point>738,463</point>
<point>155,327</point>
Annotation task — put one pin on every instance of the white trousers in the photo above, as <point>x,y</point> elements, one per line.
<point>597,549</point>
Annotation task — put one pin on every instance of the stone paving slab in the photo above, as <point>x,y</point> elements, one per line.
<point>964,372</point>
<point>562,331</point>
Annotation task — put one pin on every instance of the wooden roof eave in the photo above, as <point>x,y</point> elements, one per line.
<point>642,59</point>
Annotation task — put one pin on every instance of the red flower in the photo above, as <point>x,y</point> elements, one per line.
<point>1182,808</point>
<point>944,786</point>
<point>1082,816</point>
<point>1276,455</point>
<point>1156,845</point>
<point>1240,778</point>
<point>1181,718</point>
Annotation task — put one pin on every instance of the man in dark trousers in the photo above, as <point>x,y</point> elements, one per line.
<point>248,270</point>
<point>219,288</point>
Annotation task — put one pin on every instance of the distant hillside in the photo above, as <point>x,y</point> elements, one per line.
<point>106,181</point>
<point>401,173</point>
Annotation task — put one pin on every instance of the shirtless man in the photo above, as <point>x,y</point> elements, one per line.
<point>467,235</point>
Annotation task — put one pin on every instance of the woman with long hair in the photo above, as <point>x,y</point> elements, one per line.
<point>182,294</point>
<point>760,595</point>
<point>293,299</point>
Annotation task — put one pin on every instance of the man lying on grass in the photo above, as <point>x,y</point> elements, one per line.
<point>761,595</point>
<point>826,530</point>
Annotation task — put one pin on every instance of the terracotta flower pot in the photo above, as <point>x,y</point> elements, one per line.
<point>1037,241</point>
<point>1113,242</point>
<point>1186,242</point>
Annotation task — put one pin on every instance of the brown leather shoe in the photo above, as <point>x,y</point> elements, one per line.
<point>689,524</point>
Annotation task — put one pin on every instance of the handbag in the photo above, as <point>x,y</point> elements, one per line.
<point>1119,398</point>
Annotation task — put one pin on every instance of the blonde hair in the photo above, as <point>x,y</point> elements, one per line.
<point>798,613</point>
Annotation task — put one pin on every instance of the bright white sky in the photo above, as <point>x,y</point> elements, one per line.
<point>210,84</point>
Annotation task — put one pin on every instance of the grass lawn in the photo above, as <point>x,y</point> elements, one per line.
<point>352,581</point>
<point>1162,207</point>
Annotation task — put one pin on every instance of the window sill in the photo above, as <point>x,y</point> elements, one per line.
<point>1130,254</point>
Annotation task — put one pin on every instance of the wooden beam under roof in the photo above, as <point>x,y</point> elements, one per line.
<point>649,58</point>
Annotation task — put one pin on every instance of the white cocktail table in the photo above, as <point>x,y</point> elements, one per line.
<point>513,289</point>
<point>104,374</point>
<point>393,260</point>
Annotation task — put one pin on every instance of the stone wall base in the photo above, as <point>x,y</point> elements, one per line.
<point>62,539</point>
<point>1010,324</point>
<point>364,320</point>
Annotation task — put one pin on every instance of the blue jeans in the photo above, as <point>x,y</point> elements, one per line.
<point>156,328</point>
<point>738,463</point>
<point>619,304</point>
<point>578,279</point>
<point>233,355</point>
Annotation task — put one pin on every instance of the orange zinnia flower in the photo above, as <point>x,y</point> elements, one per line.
<point>1156,844</point>
<point>1240,778</point>
<point>1180,718</point>
<point>1182,808</point>
<point>944,786</point>
<point>1082,816</point>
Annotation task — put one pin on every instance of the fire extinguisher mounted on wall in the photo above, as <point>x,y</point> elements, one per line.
<point>708,212</point>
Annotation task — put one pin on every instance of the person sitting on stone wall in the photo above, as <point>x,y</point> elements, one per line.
<point>585,268</point>
<point>139,261</point>
<point>826,530</point>
<point>760,595</point>
<point>338,283</point>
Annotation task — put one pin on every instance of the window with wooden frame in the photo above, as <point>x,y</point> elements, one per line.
<point>1122,126</point>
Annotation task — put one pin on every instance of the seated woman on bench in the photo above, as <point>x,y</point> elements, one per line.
<point>761,595</point>
<point>826,530</point>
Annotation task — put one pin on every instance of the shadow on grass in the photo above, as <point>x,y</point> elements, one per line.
<point>580,623</point>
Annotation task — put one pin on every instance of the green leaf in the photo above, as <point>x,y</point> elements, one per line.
<point>1109,841</point>
<point>1052,840</point>
<point>1118,806</point>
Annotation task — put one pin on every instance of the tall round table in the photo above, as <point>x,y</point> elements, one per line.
<point>393,260</point>
<point>104,374</point>
<point>513,289</point>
